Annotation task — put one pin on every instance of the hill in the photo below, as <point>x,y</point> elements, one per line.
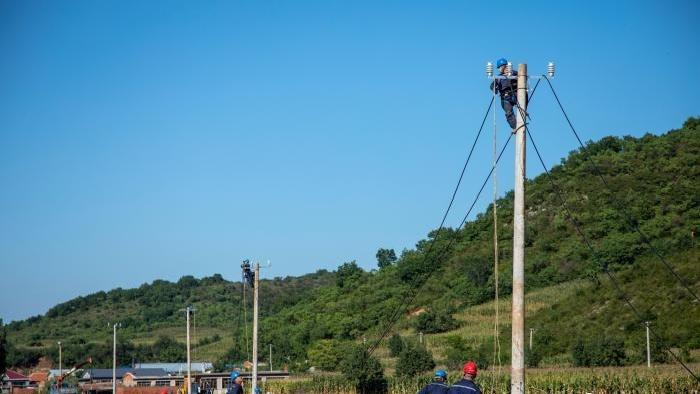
<point>652,180</point>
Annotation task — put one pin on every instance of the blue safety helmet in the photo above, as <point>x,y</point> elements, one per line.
<point>234,375</point>
<point>440,373</point>
<point>501,62</point>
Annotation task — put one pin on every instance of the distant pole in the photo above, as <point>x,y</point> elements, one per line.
<point>270,357</point>
<point>648,349</point>
<point>420,337</point>
<point>60,360</point>
<point>531,330</point>
<point>517,368</point>
<point>256,288</point>
<point>189,361</point>
<point>114,358</point>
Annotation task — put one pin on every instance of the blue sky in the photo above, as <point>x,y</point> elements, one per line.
<point>144,140</point>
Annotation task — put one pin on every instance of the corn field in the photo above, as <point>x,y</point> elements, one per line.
<point>665,379</point>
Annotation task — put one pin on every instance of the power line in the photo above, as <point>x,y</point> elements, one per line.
<point>612,278</point>
<point>619,206</point>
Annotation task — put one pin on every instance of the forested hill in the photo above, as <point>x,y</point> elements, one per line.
<point>652,183</point>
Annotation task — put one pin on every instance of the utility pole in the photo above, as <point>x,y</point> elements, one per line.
<point>60,361</point>
<point>646,323</point>
<point>189,361</point>
<point>270,357</point>
<point>256,288</point>
<point>531,331</point>
<point>114,358</point>
<point>420,337</point>
<point>517,369</point>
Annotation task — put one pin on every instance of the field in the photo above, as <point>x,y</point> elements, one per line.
<point>658,379</point>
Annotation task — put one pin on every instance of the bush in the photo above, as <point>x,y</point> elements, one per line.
<point>396,345</point>
<point>413,361</point>
<point>435,321</point>
<point>364,371</point>
<point>605,351</point>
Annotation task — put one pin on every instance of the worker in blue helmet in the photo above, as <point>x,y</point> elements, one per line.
<point>438,385</point>
<point>507,89</point>
<point>236,386</point>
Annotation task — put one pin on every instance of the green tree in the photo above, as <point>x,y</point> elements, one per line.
<point>3,349</point>
<point>435,321</point>
<point>396,345</point>
<point>413,361</point>
<point>347,273</point>
<point>385,258</point>
<point>325,354</point>
<point>364,371</point>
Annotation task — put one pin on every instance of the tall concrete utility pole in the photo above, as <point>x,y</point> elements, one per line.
<point>517,368</point>
<point>648,349</point>
<point>256,287</point>
<point>189,361</point>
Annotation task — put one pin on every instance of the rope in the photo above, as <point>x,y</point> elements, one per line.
<point>620,207</point>
<point>613,280</point>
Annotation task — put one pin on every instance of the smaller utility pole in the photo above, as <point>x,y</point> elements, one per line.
<point>531,331</point>
<point>114,357</point>
<point>270,357</point>
<point>256,287</point>
<point>646,323</point>
<point>189,361</point>
<point>60,361</point>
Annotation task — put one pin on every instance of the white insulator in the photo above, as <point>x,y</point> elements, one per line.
<point>550,69</point>
<point>509,69</point>
<point>489,69</point>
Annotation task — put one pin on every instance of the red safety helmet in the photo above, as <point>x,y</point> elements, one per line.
<point>470,368</point>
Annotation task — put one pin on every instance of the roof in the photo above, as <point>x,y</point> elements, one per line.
<point>104,373</point>
<point>147,372</point>
<point>38,377</point>
<point>12,375</point>
<point>178,367</point>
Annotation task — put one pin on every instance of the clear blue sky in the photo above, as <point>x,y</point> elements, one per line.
<point>154,139</point>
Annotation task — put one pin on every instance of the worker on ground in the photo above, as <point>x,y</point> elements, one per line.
<point>507,89</point>
<point>438,385</point>
<point>236,384</point>
<point>466,385</point>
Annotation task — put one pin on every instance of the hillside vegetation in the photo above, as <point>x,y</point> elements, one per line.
<point>653,180</point>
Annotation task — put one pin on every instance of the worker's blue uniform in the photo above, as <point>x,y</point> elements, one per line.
<point>508,90</point>
<point>235,389</point>
<point>435,388</point>
<point>464,386</point>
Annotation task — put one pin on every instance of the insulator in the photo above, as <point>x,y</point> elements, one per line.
<point>509,69</point>
<point>489,69</point>
<point>550,69</point>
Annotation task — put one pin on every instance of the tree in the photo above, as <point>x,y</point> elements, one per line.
<point>364,371</point>
<point>3,349</point>
<point>348,272</point>
<point>385,258</point>
<point>414,360</point>
<point>325,354</point>
<point>435,321</point>
<point>232,357</point>
<point>396,345</point>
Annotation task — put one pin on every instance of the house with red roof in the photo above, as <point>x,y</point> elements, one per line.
<point>13,379</point>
